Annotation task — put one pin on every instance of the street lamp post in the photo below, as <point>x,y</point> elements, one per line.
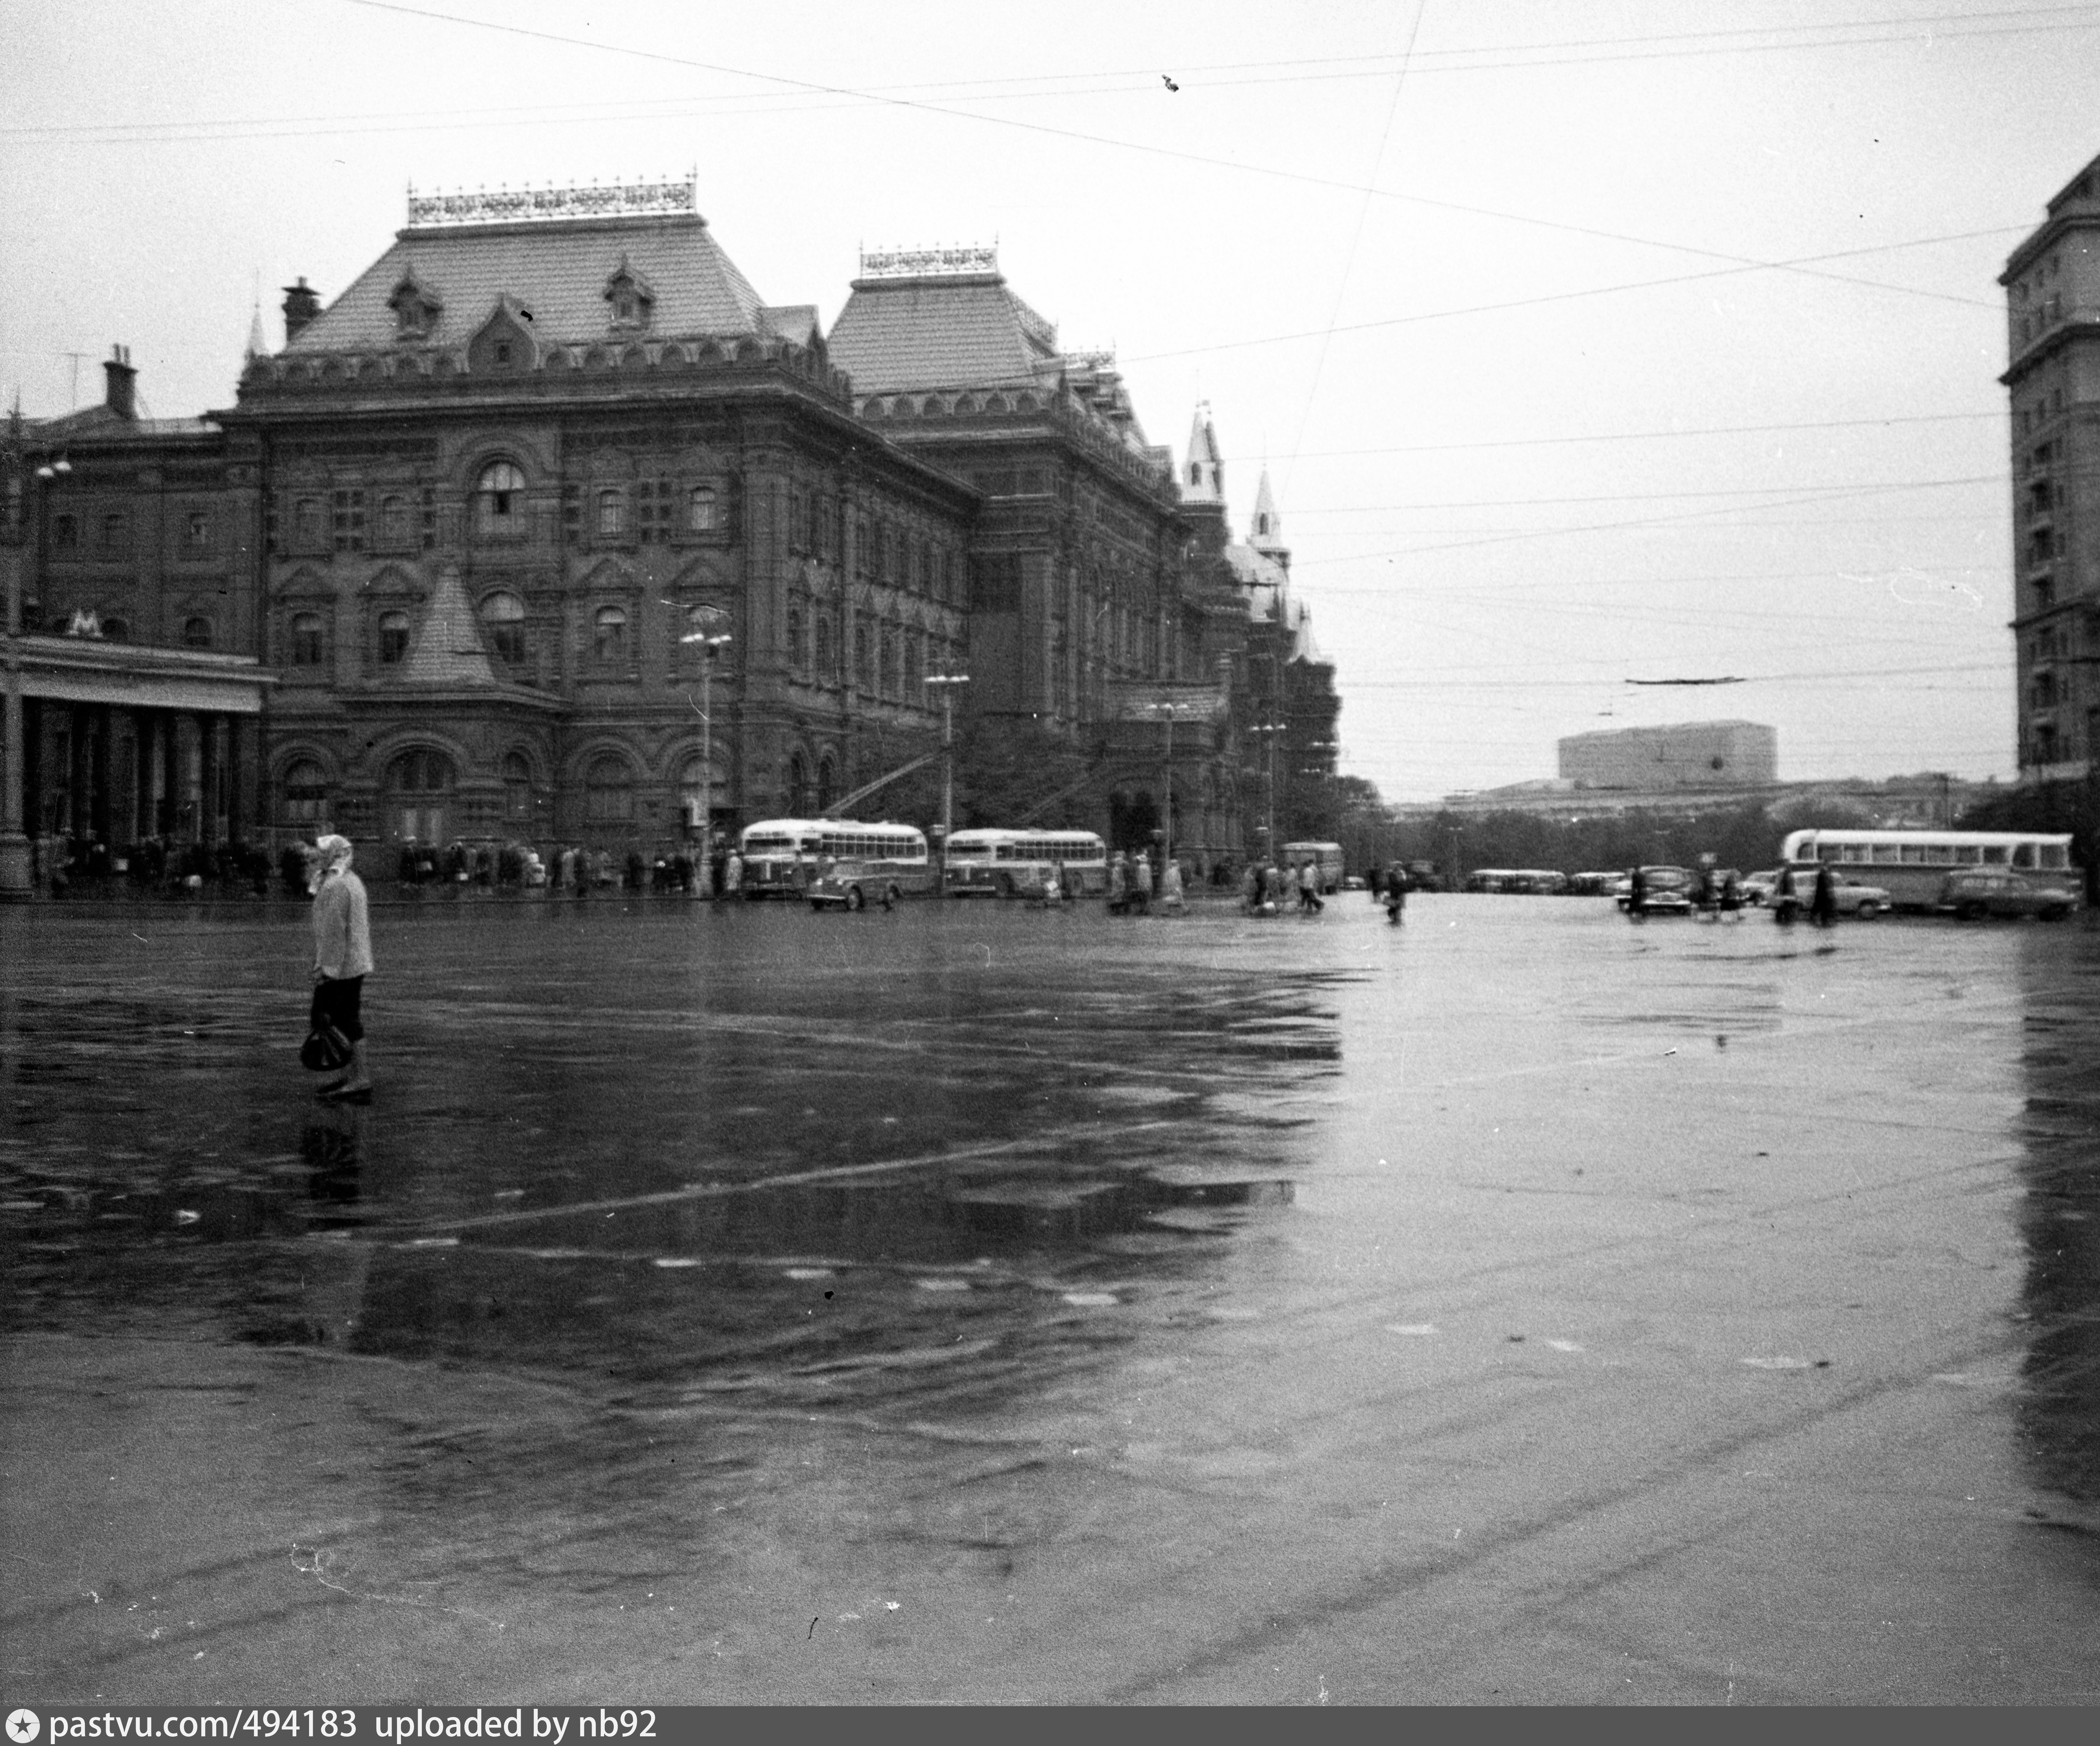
<point>1169,710</point>
<point>702,619</point>
<point>1271,729</point>
<point>948,682</point>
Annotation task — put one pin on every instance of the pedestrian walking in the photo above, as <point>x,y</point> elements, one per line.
<point>342,959</point>
<point>1637,895</point>
<point>1118,884</point>
<point>1141,882</point>
<point>733,875</point>
<point>1170,887</point>
<point>1251,890</point>
<point>1731,899</point>
<point>1396,895</point>
<point>1822,905</point>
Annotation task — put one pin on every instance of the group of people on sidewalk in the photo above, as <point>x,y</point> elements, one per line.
<point>1131,881</point>
<point>1268,889</point>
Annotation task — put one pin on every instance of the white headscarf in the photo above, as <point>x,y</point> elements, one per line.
<point>330,854</point>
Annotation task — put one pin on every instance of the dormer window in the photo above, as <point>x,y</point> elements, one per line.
<point>630,297</point>
<point>416,309</point>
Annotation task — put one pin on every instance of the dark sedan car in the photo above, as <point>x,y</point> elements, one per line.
<point>1991,891</point>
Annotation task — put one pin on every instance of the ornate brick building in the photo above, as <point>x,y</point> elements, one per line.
<point>550,529</point>
<point>524,476</point>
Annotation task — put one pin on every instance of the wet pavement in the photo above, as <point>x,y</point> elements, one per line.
<point>976,1303</point>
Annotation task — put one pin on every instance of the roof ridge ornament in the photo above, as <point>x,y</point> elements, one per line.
<point>925,263</point>
<point>670,197</point>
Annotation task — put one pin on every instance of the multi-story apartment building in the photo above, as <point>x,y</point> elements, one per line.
<point>2052,284</point>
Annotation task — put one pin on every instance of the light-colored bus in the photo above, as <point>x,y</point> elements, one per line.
<point>1017,863</point>
<point>1326,856</point>
<point>1532,881</point>
<point>1912,865</point>
<point>781,857</point>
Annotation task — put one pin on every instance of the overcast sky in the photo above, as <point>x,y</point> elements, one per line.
<point>1584,342</point>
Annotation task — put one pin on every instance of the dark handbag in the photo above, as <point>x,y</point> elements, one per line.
<point>325,1049</point>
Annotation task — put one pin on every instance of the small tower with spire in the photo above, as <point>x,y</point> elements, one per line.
<point>1266,536</point>
<point>1203,473</point>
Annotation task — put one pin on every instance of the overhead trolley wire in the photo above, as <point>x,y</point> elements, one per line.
<point>1174,153</point>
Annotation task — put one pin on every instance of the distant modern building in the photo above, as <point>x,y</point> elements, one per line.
<point>1689,755</point>
<point>2052,284</point>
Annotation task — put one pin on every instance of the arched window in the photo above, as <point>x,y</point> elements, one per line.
<point>892,680</point>
<point>827,782</point>
<point>503,615</point>
<point>794,641</point>
<point>609,635</point>
<point>914,683</point>
<point>421,771</point>
<point>864,670</point>
<point>116,630</point>
<point>1195,473</point>
<point>611,514</point>
<point>517,789</point>
<point>499,501</point>
<point>302,795</point>
<point>700,510</point>
<point>392,639</point>
<point>826,672</point>
<point>798,784</point>
<point>306,650</point>
<point>609,790</point>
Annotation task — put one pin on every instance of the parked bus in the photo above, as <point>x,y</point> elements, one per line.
<point>1536,882</point>
<point>1326,856</point>
<point>781,857</point>
<point>1912,864</point>
<point>1017,863</point>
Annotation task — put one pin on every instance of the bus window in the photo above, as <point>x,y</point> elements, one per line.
<point>1919,854</point>
<point>1967,855</point>
<point>2055,855</point>
<point>2023,855</point>
<point>1994,855</point>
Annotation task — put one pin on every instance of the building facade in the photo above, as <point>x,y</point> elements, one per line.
<point>1689,755</point>
<point>2052,283</point>
<point>571,537</point>
<point>1095,611</point>
<point>134,692</point>
<point>549,530</point>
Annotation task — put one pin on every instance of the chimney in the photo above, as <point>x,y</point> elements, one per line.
<point>122,397</point>
<point>300,307</point>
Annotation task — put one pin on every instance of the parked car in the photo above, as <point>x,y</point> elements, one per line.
<point>853,885</point>
<point>1993,891</point>
<point>1757,887</point>
<point>1851,897</point>
<point>1667,890</point>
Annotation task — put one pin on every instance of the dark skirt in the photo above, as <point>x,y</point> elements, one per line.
<point>338,1003</point>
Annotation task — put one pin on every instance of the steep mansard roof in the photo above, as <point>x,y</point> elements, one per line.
<point>558,271</point>
<point>964,331</point>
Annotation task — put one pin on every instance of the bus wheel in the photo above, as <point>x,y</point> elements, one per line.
<point>1868,910</point>
<point>855,900</point>
<point>1971,913</point>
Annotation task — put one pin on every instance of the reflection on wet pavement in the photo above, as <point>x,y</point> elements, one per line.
<point>685,1251</point>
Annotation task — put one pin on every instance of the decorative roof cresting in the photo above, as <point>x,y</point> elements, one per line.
<point>542,206</point>
<point>917,263</point>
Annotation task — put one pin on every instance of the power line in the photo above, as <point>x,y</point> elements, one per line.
<point>1159,151</point>
<point>1142,80</point>
<point>1636,436</point>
